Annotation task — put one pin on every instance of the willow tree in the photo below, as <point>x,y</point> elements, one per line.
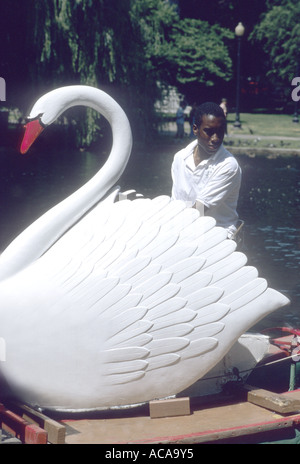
<point>81,42</point>
<point>101,43</point>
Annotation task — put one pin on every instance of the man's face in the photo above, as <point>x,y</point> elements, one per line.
<point>210,134</point>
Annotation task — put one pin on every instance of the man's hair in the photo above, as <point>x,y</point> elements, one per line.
<point>208,108</point>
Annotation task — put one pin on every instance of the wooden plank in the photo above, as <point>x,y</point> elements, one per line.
<point>34,435</point>
<point>18,426</point>
<point>56,431</point>
<point>13,423</point>
<point>284,403</point>
<point>170,407</point>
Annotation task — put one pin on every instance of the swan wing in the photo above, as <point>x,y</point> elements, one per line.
<point>144,298</point>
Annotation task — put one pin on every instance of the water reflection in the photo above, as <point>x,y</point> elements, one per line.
<point>269,204</point>
<point>274,250</point>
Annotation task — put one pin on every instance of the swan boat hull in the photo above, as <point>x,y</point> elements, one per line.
<point>249,414</point>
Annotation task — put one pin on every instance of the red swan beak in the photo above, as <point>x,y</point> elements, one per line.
<point>32,131</point>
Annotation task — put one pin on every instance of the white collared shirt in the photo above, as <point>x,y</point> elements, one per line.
<point>215,182</point>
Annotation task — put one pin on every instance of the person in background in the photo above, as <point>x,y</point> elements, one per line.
<point>192,119</point>
<point>180,117</point>
<point>223,105</point>
<point>204,174</point>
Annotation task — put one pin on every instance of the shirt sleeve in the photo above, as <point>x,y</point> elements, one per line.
<point>224,183</point>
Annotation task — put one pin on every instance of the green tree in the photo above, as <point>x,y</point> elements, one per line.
<point>227,14</point>
<point>187,53</point>
<point>122,46</point>
<point>114,45</point>
<point>278,32</point>
<point>199,52</point>
<point>83,42</point>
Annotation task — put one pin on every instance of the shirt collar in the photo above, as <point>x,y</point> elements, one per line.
<point>190,149</point>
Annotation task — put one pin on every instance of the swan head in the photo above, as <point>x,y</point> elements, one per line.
<point>51,105</point>
<point>44,112</point>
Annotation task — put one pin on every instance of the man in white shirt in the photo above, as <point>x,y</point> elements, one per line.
<point>205,175</point>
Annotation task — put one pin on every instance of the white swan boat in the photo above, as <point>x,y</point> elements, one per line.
<point>108,304</point>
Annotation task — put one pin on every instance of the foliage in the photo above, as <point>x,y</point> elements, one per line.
<point>226,13</point>
<point>127,46</point>
<point>114,45</point>
<point>154,18</point>
<point>199,52</point>
<point>83,42</point>
<point>279,34</point>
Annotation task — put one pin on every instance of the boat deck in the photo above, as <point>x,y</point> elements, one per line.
<point>258,417</point>
<point>247,414</point>
<point>204,425</point>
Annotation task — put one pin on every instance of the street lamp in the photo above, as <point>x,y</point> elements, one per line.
<point>239,32</point>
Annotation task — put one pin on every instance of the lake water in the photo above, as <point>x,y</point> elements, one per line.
<point>269,204</point>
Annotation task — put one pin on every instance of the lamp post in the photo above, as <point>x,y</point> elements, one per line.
<point>239,32</point>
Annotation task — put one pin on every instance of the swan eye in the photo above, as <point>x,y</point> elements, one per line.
<point>35,118</point>
<point>29,119</point>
